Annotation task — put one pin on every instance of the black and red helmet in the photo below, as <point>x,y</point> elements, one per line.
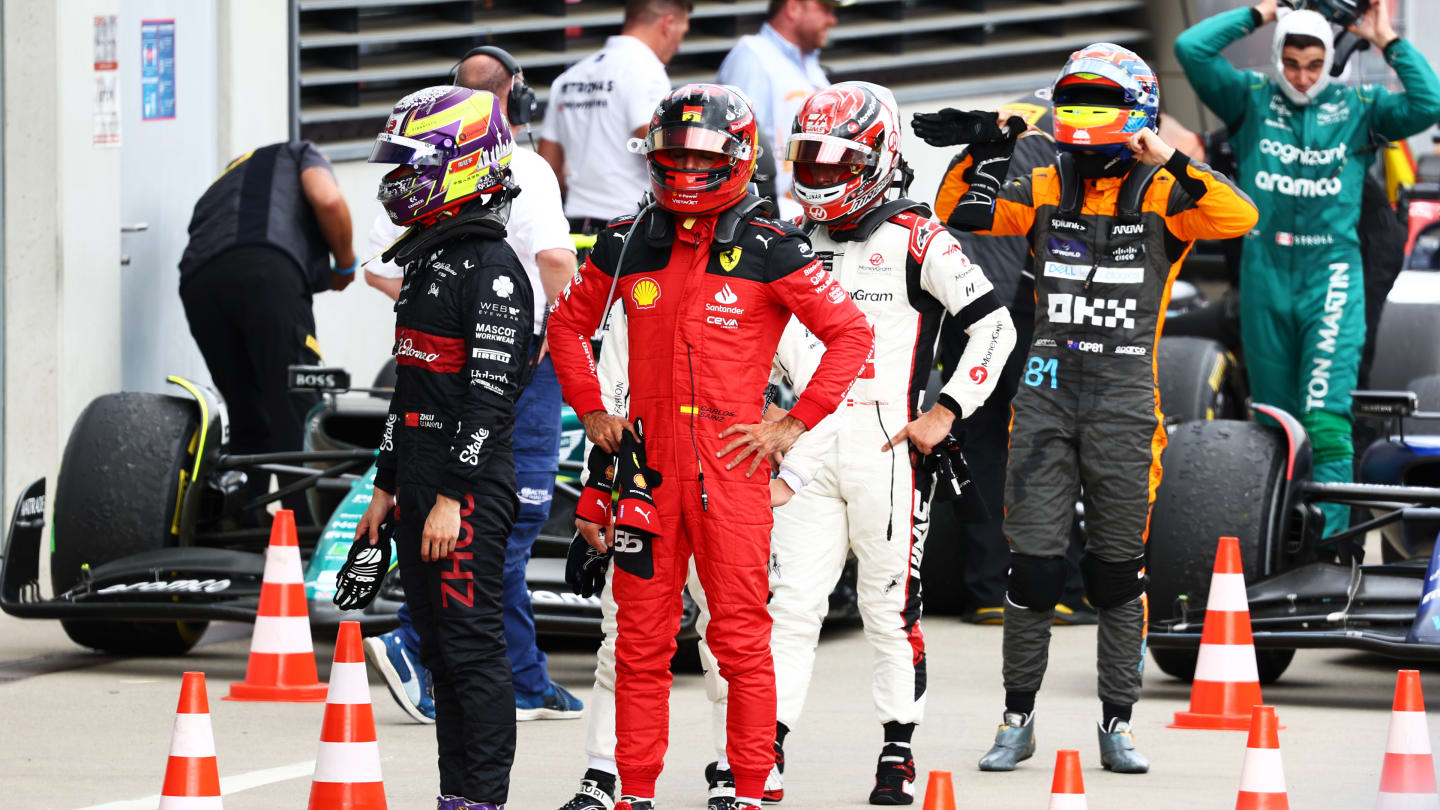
<point>709,118</point>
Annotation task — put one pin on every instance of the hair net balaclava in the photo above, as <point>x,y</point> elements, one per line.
<point>1307,23</point>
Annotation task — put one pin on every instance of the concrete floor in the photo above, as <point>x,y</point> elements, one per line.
<point>99,734</point>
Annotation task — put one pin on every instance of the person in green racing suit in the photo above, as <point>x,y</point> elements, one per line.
<point>1303,146</point>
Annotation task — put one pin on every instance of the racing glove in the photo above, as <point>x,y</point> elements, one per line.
<point>991,146</point>
<point>585,567</point>
<point>637,522</point>
<point>952,480</point>
<point>365,568</point>
<point>598,496</point>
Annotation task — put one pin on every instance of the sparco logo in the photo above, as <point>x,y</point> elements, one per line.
<point>1138,351</point>
<point>1076,309</point>
<point>471,454</point>
<point>1066,225</point>
<point>173,586</point>
<point>862,295</point>
<point>1298,186</point>
<point>407,349</point>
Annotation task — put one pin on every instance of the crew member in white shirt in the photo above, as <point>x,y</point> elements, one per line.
<point>603,101</point>
<point>540,237</point>
<point>777,69</point>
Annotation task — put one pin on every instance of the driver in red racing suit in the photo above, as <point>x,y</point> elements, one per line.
<point>707,285</point>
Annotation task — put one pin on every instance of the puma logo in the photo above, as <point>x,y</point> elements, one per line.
<point>764,241</point>
<point>641,512</point>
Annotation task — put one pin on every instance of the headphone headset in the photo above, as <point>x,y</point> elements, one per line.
<point>521,104</point>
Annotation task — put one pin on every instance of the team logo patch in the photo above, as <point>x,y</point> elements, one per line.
<point>729,259</point>
<point>978,374</point>
<point>691,113</point>
<point>645,293</point>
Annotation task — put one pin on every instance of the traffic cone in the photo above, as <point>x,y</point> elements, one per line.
<point>282,657</point>
<point>192,780</point>
<point>1227,684</point>
<point>939,792</point>
<point>347,766</point>
<point>1262,779</point>
<point>1407,781</point>
<point>1067,791</point>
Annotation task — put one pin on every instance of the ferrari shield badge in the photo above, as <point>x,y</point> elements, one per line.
<point>729,259</point>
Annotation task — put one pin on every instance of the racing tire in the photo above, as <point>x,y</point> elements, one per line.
<point>1220,478</point>
<point>1194,376</point>
<point>121,475</point>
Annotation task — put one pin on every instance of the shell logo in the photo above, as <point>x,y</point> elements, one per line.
<point>645,293</point>
<point>639,480</point>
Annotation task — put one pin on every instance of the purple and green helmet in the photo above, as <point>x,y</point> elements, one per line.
<point>451,144</point>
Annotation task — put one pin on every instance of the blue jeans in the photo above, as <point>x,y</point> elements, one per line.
<point>537,456</point>
<point>537,453</point>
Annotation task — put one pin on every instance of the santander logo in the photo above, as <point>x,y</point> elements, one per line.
<point>726,296</point>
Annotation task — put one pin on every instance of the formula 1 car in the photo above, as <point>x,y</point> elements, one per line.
<point>154,535</point>
<point>1252,481</point>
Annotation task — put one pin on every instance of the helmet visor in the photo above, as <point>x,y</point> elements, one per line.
<point>698,139</point>
<point>391,148</point>
<point>828,149</point>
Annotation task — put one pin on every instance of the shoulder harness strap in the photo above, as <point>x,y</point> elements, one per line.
<point>1072,188</point>
<point>867,224</point>
<point>1132,192</point>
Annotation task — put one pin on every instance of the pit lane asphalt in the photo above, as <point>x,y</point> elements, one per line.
<point>98,734</point>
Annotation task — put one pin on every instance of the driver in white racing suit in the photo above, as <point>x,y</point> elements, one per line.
<point>906,272</point>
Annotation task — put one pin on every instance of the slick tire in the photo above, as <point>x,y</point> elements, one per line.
<point>1221,478</point>
<point>1195,379</point>
<point>124,466</point>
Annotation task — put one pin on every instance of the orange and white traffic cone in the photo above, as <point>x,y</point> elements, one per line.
<point>1407,782</point>
<point>1067,790</point>
<point>1227,683</point>
<point>939,791</point>
<point>347,766</point>
<point>192,779</point>
<point>1262,778</point>
<point>282,657</point>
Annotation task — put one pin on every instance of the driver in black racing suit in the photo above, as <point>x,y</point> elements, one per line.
<point>462,348</point>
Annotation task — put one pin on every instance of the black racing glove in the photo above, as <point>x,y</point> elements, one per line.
<point>635,481</point>
<point>952,127</point>
<point>989,164</point>
<point>952,480</point>
<point>585,567</point>
<point>365,567</point>
<point>597,498</point>
<point>637,522</point>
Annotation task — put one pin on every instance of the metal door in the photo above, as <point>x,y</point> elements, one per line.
<point>166,164</point>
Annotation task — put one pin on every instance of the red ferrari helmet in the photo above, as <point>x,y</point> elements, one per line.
<point>845,147</point>
<point>711,119</point>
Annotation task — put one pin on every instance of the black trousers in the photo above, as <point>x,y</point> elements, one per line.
<point>249,311</point>
<point>456,608</point>
<point>987,452</point>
